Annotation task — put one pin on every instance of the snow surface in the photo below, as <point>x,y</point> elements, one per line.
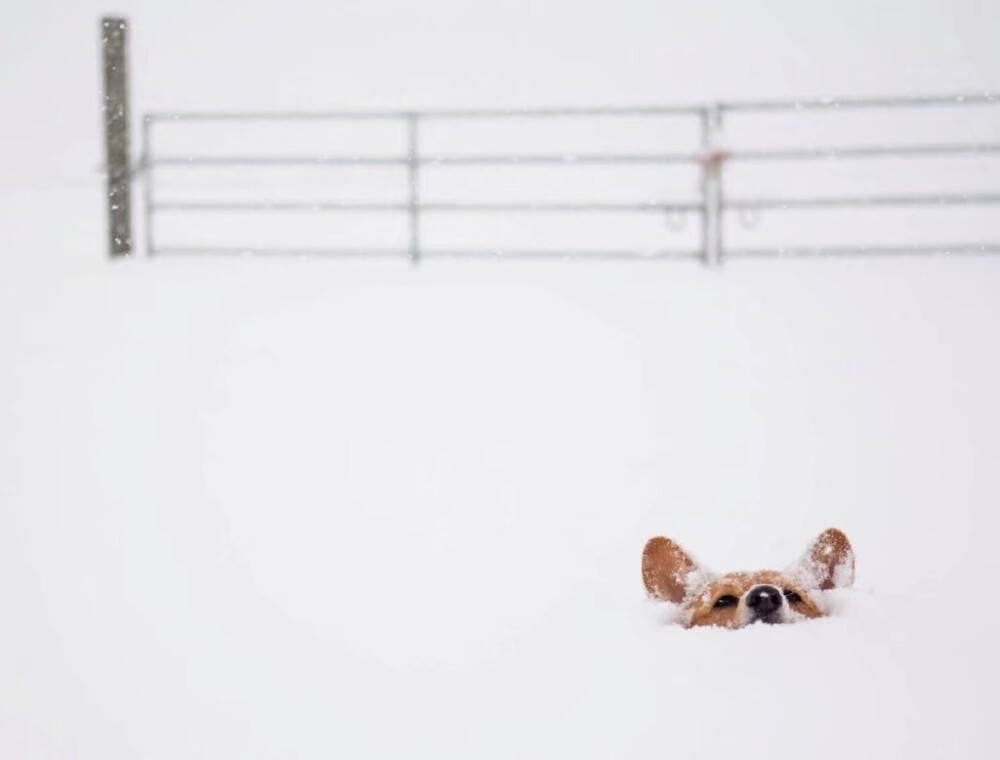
<point>314,509</point>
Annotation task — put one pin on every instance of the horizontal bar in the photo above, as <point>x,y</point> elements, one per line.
<point>559,255</point>
<point>276,206</point>
<point>644,110</point>
<point>873,151</point>
<point>863,103</point>
<point>276,115</point>
<point>898,250</point>
<point>368,253</point>
<point>571,159</point>
<point>279,161</point>
<point>430,207</point>
<point>865,151</point>
<point>470,113</point>
<point>517,113</point>
<point>684,207</point>
<point>442,253</point>
<point>472,160</point>
<point>861,201</point>
<point>550,254</point>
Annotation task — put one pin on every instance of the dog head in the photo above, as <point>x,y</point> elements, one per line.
<point>738,599</point>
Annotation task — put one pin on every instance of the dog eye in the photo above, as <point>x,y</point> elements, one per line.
<point>726,600</point>
<point>792,597</point>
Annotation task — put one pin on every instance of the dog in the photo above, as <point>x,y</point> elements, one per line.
<point>735,600</point>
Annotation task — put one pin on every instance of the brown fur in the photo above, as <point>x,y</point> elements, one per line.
<point>665,565</point>
<point>738,584</point>
<point>670,574</point>
<point>830,550</point>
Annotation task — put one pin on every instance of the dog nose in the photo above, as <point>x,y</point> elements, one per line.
<point>764,600</point>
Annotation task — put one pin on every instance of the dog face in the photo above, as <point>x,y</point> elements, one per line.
<point>738,599</point>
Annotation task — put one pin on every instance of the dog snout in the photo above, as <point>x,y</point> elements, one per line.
<point>763,600</point>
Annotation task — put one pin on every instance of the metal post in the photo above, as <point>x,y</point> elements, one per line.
<point>712,158</point>
<point>114,44</point>
<point>147,183</point>
<point>413,176</point>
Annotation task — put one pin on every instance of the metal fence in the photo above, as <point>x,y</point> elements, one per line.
<point>712,159</point>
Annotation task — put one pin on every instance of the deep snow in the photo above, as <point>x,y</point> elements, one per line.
<point>305,508</point>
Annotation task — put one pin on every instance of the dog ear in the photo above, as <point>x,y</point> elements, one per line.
<point>827,563</point>
<point>668,572</point>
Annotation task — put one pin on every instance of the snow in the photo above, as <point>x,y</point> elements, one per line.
<point>308,508</point>
<point>305,508</point>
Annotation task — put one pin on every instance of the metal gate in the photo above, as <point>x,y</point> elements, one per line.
<point>856,161</point>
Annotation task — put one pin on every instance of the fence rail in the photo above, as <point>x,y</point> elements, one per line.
<point>711,159</point>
